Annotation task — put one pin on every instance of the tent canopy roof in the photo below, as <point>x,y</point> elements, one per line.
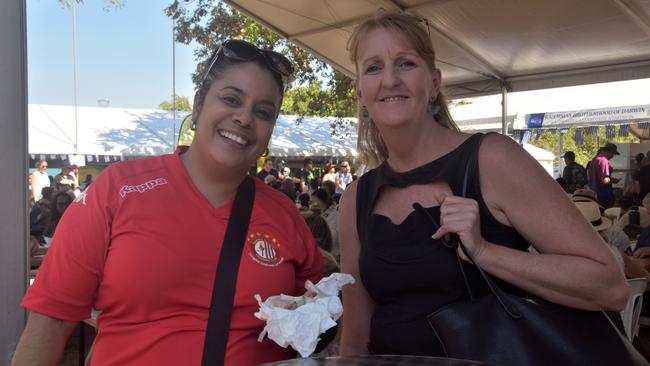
<point>141,132</point>
<point>482,45</point>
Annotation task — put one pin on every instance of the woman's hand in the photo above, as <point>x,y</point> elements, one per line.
<point>459,215</point>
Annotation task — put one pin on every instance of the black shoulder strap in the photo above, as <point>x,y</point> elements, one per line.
<point>223,293</point>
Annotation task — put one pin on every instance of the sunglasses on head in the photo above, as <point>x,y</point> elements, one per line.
<point>244,51</point>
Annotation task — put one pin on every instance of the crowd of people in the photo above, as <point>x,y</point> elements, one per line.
<point>50,196</point>
<point>142,247</point>
<point>622,219</point>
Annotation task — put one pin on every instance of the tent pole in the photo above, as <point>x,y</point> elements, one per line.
<point>504,109</point>
<point>74,75</point>
<point>559,152</point>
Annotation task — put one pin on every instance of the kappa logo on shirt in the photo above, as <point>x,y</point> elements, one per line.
<point>141,188</point>
<point>264,249</point>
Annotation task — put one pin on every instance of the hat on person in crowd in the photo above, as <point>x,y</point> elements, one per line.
<point>613,213</point>
<point>286,170</point>
<point>586,195</point>
<point>591,212</point>
<point>611,148</point>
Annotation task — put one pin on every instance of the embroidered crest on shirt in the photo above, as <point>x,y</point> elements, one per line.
<point>264,249</point>
<point>141,188</point>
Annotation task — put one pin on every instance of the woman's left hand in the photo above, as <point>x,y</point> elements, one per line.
<point>459,215</point>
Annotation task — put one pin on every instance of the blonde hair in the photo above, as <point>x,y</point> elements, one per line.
<point>370,144</point>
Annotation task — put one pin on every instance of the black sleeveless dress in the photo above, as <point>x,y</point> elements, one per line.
<point>408,274</point>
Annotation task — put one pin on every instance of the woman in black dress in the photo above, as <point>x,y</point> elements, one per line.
<point>418,154</point>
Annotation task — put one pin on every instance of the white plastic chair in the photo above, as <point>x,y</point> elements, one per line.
<point>632,310</point>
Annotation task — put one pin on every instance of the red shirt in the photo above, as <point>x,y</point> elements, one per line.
<point>142,244</point>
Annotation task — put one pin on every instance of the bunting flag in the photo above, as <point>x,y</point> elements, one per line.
<point>107,159</point>
<point>624,131</point>
<point>52,157</point>
<point>593,130</point>
<point>32,156</point>
<point>89,158</point>
<point>526,137</point>
<point>41,157</point>
<point>610,131</point>
<point>578,136</point>
<point>644,125</point>
<point>538,133</point>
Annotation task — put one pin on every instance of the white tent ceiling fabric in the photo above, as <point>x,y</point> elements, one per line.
<point>482,45</point>
<point>143,132</point>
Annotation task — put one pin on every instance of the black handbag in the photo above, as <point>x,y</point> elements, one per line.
<point>504,329</point>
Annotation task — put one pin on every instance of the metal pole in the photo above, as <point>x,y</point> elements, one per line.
<point>559,152</point>
<point>174,140</point>
<point>14,216</point>
<point>74,74</point>
<point>504,109</point>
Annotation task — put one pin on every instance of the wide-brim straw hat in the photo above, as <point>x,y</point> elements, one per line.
<point>586,195</point>
<point>591,212</point>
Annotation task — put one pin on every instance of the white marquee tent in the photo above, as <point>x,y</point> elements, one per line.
<point>122,132</point>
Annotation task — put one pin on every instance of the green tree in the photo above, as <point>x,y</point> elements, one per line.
<point>182,104</point>
<point>548,140</point>
<point>210,23</point>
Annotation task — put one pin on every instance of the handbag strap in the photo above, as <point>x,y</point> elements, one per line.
<point>506,304</point>
<point>223,293</point>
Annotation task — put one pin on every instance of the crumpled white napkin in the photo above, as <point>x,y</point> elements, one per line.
<point>297,321</point>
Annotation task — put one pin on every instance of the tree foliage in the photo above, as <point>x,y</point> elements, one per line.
<point>110,4</point>
<point>208,23</point>
<point>548,140</point>
<point>182,104</point>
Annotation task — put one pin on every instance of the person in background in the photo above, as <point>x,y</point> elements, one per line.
<point>321,231</point>
<point>142,244</point>
<point>303,199</point>
<point>58,206</point>
<point>86,182</point>
<point>267,169</point>
<point>322,203</point>
<point>306,176</point>
<point>562,184</point>
<point>74,173</point>
<point>330,173</point>
<point>280,167</point>
<point>286,173</point>
<point>64,175</point>
<point>39,180</point>
<point>574,174</point>
<point>600,175</point>
<point>343,177</point>
<point>417,154</point>
<point>270,180</point>
<point>330,187</point>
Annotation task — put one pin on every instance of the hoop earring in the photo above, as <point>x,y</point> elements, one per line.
<point>365,116</point>
<point>433,108</point>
